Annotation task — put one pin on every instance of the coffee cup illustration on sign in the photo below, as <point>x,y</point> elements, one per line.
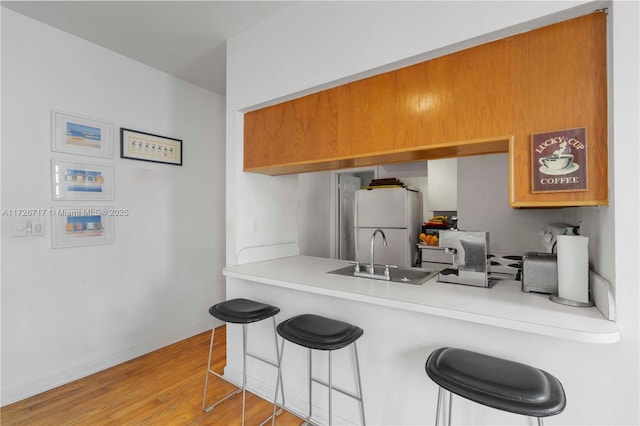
<point>558,163</point>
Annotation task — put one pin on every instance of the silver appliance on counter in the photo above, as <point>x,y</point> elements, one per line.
<point>540,273</point>
<point>549,236</point>
<point>470,253</point>
<point>434,256</point>
<point>398,213</point>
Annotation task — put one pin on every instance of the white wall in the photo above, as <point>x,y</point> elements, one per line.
<point>314,213</point>
<point>442,185</point>
<point>69,312</point>
<point>483,204</point>
<point>313,45</point>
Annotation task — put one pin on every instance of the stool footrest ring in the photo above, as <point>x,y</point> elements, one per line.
<point>273,416</point>
<point>342,391</point>
<point>266,361</point>
<point>227,396</point>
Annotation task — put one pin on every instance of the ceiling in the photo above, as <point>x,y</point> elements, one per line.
<point>186,39</point>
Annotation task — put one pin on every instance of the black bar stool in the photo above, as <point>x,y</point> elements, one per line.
<point>495,382</point>
<point>325,334</point>
<point>240,311</point>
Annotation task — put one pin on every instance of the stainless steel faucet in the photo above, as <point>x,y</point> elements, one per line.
<point>373,240</point>
<point>454,253</point>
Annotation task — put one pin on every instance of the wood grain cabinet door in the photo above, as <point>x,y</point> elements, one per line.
<point>301,130</point>
<point>565,82</point>
<point>458,98</point>
<point>369,116</point>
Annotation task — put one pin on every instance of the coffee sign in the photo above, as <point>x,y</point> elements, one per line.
<point>559,160</point>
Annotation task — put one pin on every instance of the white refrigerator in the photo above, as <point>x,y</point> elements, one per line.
<point>398,212</point>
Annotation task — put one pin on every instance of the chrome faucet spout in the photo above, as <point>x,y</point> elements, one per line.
<point>373,240</point>
<point>454,252</point>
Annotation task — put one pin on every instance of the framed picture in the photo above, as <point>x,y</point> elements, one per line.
<point>79,226</point>
<point>74,134</point>
<point>72,180</point>
<point>559,160</point>
<point>148,147</point>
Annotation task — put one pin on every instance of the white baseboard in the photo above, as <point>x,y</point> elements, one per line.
<point>43,384</point>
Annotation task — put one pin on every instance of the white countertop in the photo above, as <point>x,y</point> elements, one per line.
<point>504,305</point>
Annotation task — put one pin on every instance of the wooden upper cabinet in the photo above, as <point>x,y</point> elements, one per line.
<point>460,97</point>
<point>566,88</point>
<point>487,99</point>
<point>369,115</point>
<point>301,130</point>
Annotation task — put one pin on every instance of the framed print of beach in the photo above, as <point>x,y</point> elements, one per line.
<point>72,180</point>
<point>148,147</point>
<point>79,226</point>
<point>75,134</point>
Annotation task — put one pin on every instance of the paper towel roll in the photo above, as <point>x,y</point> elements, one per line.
<point>573,268</point>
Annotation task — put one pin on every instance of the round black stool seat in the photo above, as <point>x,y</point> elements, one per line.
<point>497,383</point>
<point>242,311</point>
<point>316,332</point>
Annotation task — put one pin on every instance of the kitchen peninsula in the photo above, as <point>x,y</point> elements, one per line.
<point>403,323</point>
<point>504,305</point>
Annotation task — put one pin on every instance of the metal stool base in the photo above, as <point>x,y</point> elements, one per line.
<point>241,387</point>
<point>307,419</point>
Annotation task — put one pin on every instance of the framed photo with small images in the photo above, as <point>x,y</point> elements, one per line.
<point>143,146</point>
<point>74,180</point>
<point>81,226</point>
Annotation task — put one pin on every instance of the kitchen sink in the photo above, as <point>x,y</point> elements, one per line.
<point>415,276</point>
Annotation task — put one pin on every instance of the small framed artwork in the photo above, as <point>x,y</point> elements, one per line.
<point>74,134</point>
<point>79,226</point>
<point>72,180</point>
<point>559,160</point>
<point>148,147</point>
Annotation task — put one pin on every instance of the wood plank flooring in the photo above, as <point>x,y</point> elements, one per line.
<point>161,388</point>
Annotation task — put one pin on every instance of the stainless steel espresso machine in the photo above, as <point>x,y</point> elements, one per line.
<point>471,264</point>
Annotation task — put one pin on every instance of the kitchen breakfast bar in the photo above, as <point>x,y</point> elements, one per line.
<point>402,325</point>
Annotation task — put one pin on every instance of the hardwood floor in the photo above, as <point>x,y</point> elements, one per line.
<point>161,388</point>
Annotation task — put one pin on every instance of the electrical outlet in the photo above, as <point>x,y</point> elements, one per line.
<point>254,226</point>
<point>37,228</point>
